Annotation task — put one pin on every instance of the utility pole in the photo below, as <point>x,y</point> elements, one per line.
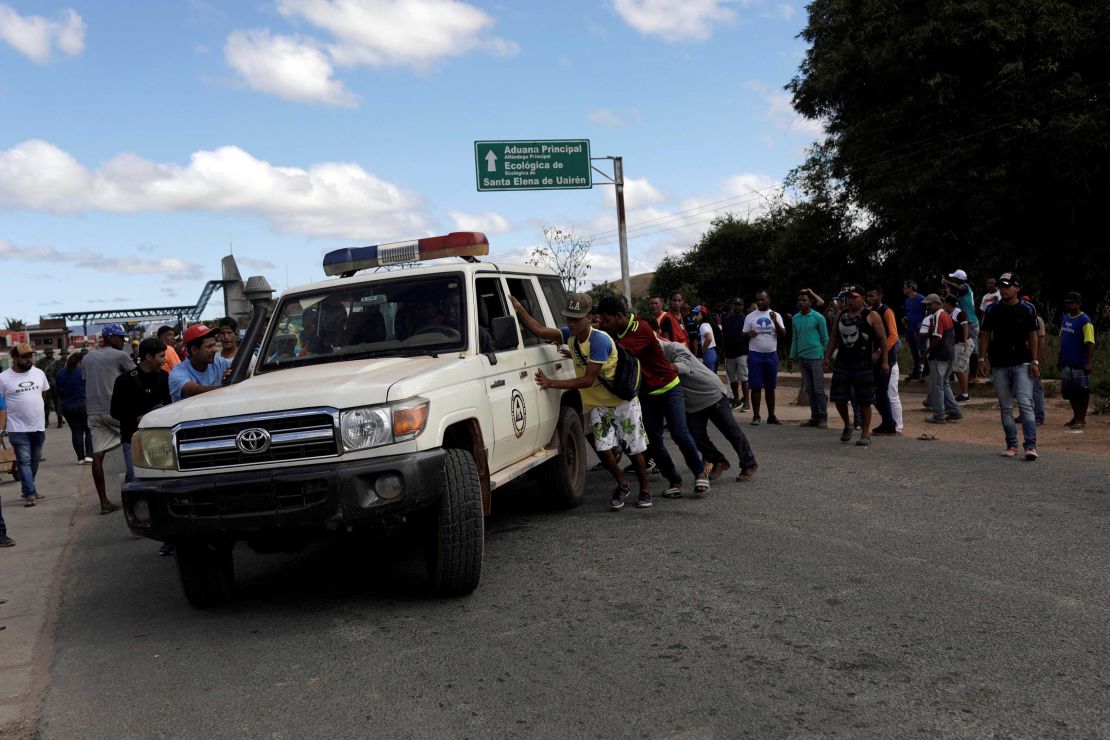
<point>617,180</point>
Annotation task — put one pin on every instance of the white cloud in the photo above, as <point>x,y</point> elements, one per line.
<point>413,33</point>
<point>488,222</point>
<point>782,11</point>
<point>606,117</point>
<point>639,192</point>
<point>780,112</point>
<point>255,264</point>
<point>675,20</point>
<point>173,267</point>
<point>291,68</point>
<point>331,199</point>
<point>37,37</point>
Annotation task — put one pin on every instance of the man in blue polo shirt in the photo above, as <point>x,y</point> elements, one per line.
<point>202,371</point>
<point>1077,358</point>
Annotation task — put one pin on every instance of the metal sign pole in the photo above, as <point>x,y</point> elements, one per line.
<point>617,180</point>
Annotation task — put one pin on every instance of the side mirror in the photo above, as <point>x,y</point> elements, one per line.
<point>504,333</point>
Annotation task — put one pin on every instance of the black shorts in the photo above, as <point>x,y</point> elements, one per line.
<point>859,378</point>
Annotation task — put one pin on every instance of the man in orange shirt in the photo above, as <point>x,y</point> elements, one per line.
<point>166,334</point>
<point>887,401</point>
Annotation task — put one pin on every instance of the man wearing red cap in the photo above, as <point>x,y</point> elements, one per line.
<point>203,370</point>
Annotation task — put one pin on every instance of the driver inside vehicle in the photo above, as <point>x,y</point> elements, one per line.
<point>323,326</point>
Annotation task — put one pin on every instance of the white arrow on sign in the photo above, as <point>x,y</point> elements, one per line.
<point>491,162</point>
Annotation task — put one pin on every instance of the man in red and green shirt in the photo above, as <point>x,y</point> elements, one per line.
<point>660,395</point>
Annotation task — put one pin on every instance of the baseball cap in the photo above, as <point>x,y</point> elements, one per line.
<point>958,274</point>
<point>113,330</point>
<point>700,309</point>
<point>197,331</point>
<point>853,290</point>
<point>578,305</point>
<point>1007,279</point>
<point>738,301</point>
<point>1073,297</point>
<point>22,349</point>
<point>933,298</point>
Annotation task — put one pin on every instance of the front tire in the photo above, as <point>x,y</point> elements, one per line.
<point>207,571</point>
<point>563,480</point>
<point>457,539</point>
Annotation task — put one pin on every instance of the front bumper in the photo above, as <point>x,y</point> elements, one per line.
<point>311,496</point>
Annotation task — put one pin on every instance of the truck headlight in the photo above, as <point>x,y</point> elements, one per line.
<point>365,427</point>
<point>153,448</point>
<point>373,426</point>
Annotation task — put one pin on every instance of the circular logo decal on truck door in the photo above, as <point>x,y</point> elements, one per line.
<point>519,412</point>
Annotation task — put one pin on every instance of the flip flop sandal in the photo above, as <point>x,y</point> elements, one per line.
<point>701,486</point>
<point>927,437</point>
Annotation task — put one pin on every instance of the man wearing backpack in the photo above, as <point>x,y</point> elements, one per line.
<point>660,395</point>
<point>613,419</point>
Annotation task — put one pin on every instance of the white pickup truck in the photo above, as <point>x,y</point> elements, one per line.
<point>375,398</point>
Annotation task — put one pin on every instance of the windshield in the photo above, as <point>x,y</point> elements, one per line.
<point>387,318</point>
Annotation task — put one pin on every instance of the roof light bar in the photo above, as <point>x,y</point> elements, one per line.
<point>348,261</point>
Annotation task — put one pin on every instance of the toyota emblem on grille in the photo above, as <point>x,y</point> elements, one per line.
<point>253,441</point>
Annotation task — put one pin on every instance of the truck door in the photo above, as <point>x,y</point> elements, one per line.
<point>510,387</point>
<point>539,354</point>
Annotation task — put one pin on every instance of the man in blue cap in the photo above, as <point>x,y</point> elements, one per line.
<point>102,366</point>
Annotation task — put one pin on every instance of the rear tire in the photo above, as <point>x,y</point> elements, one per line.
<point>207,571</point>
<point>457,536</point>
<point>562,480</point>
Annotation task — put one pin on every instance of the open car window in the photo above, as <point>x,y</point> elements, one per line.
<point>387,318</point>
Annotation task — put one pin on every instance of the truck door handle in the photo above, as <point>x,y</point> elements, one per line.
<point>524,373</point>
<point>497,384</point>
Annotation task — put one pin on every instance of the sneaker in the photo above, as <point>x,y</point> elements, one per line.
<point>734,404</point>
<point>6,541</point>
<point>935,420</point>
<point>863,442</point>
<point>755,421</point>
<point>28,500</point>
<point>166,549</point>
<point>772,419</point>
<point>883,431</point>
<point>846,435</point>
<point>644,500</point>
<point>1031,454</point>
<point>673,492</point>
<point>87,461</point>
<point>1010,452</point>
<point>954,417</point>
<point>822,424</point>
<point>619,495</point>
<point>745,406</point>
<point>963,397</point>
<point>809,423</point>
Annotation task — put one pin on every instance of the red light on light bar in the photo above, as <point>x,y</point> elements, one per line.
<point>456,244</point>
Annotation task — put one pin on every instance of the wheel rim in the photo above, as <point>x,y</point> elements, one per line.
<point>571,458</point>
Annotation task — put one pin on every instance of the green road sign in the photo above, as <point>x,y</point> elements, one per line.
<point>561,164</point>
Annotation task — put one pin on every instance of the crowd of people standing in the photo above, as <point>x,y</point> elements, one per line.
<point>102,394</point>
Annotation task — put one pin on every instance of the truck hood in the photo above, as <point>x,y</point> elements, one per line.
<point>338,384</point>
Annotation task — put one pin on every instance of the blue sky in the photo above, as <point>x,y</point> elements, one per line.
<point>139,140</point>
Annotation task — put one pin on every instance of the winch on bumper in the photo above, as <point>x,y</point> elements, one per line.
<point>305,496</point>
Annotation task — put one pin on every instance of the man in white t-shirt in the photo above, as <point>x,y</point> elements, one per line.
<point>24,388</point>
<point>764,326</point>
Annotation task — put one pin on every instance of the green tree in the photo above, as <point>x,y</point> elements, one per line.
<point>14,324</point>
<point>971,133</point>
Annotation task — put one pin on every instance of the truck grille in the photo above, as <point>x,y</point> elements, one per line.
<point>294,436</point>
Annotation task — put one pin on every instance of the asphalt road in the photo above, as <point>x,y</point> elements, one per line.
<point>914,588</point>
